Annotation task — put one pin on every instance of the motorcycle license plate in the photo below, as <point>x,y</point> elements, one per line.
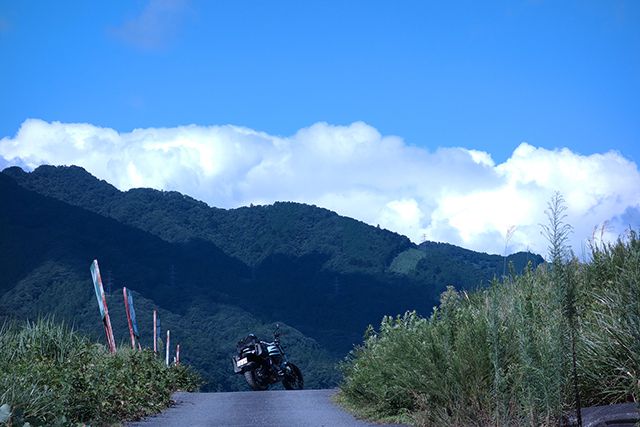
<point>242,362</point>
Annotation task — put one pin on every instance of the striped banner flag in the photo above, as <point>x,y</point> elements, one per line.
<point>128,306</point>
<point>134,322</point>
<point>102,305</point>
<point>133,317</point>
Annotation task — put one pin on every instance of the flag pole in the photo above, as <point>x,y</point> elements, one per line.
<point>155,331</point>
<point>167,347</point>
<point>102,305</point>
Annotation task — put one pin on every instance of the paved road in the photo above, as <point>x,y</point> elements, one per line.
<point>310,408</point>
<point>622,415</point>
<point>251,408</point>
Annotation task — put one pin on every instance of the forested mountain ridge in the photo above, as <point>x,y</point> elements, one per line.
<point>250,234</point>
<point>46,247</point>
<point>324,275</point>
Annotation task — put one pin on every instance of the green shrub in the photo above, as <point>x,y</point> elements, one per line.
<point>503,355</point>
<point>610,344</point>
<point>51,375</point>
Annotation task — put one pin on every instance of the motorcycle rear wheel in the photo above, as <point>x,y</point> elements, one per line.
<point>254,381</point>
<point>293,378</point>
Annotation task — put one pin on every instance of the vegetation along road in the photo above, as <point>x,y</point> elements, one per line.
<point>268,408</point>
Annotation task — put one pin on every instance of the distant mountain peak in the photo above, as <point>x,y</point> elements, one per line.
<point>72,179</point>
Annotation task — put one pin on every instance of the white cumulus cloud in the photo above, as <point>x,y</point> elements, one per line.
<point>455,195</point>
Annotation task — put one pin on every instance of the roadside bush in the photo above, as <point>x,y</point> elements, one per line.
<point>610,344</point>
<point>503,355</point>
<point>51,375</point>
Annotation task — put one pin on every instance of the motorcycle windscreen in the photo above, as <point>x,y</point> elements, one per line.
<point>273,350</point>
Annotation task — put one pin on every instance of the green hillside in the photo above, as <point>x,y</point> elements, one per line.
<point>219,274</point>
<point>46,249</point>
<point>250,234</point>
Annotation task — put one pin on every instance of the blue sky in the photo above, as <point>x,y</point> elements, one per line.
<point>484,75</point>
<point>462,85</point>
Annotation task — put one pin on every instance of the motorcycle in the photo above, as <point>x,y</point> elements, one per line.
<point>264,363</point>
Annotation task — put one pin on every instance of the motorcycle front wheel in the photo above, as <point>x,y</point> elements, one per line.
<point>293,378</point>
<point>254,381</point>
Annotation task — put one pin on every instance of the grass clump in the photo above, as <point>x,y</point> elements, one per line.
<point>504,355</point>
<point>51,375</point>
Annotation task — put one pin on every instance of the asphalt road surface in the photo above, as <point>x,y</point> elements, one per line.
<point>254,408</point>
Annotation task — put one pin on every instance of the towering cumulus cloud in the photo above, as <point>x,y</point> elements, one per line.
<point>455,195</point>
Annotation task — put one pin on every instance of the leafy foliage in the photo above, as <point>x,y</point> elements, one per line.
<point>610,331</point>
<point>502,355</point>
<point>51,375</point>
